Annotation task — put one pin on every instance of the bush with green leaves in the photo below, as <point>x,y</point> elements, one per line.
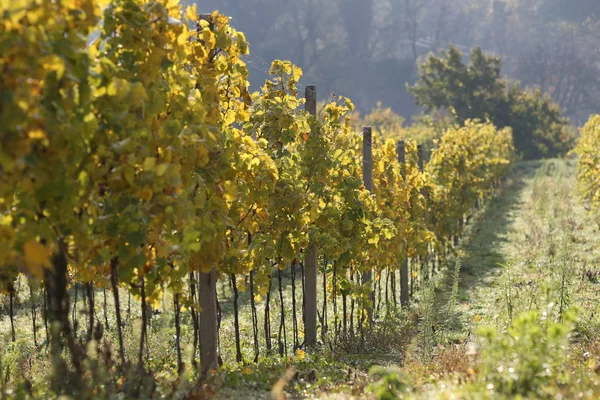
<point>478,90</point>
<point>390,383</point>
<point>528,356</point>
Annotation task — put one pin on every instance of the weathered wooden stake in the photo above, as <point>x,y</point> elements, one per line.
<point>254,318</point>
<point>114,280</point>
<point>144,324</point>
<point>177,310</point>
<point>294,311</point>
<point>194,312</point>
<point>368,182</point>
<point>11,293</point>
<point>404,289</point>
<point>207,299</point>
<point>33,316</point>
<point>236,319</point>
<point>310,258</point>
<point>425,261</point>
<point>90,296</point>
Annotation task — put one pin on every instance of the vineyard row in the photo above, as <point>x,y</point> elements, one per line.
<point>141,162</point>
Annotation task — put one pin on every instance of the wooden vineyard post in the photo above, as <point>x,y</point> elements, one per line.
<point>208,322</point>
<point>310,257</point>
<point>207,299</point>
<point>425,213</point>
<point>425,262</point>
<point>404,289</point>
<point>114,280</point>
<point>368,182</point>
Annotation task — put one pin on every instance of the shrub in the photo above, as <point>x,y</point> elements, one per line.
<point>478,91</point>
<point>528,357</point>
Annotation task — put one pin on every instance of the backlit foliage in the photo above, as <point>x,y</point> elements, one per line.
<point>129,138</point>
<point>588,149</point>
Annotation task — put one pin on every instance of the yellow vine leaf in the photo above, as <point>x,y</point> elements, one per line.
<point>54,63</point>
<point>191,13</point>
<point>37,134</point>
<point>149,163</point>
<point>36,258</point>
<point>145,193</point>
<point>296,73</point>
<point>230,190</point>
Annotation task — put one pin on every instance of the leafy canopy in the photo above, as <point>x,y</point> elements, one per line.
<point>476,90</point>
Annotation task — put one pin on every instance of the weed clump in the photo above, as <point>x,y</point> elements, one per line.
<point>528,357</point>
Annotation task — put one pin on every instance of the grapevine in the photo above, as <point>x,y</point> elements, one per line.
<point>139,163</point>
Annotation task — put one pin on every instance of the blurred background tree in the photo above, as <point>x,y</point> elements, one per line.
<point>370,50</point>
<point>476,90</point>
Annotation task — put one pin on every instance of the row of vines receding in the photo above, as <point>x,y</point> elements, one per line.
<point>135,163</point>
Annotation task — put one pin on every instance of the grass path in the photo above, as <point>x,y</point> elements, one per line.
<point>493,243</point>
<point>533,247</point>
<point>535,230</point>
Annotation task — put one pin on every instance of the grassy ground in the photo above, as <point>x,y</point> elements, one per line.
<point>534,250</point>
<point>494,324</point>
